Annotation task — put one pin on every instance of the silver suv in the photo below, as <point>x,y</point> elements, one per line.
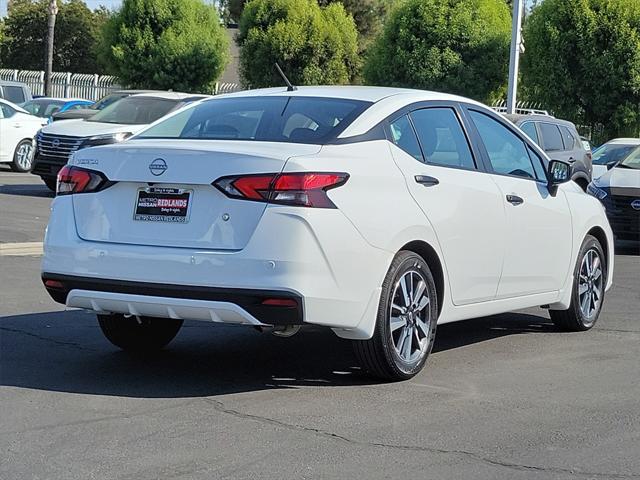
<point>561,141</point>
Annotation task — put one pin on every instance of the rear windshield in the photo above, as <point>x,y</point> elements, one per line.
<point>135,111</point>
<point>268,119</point>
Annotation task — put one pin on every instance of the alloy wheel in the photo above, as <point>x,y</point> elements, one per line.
<point>590,284</point>
<point>410,317</point>
<point>24,156</point>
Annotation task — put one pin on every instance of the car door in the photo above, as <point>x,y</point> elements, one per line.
<point>462,204</point>
<point>539,231</point>
<point>9,132</point>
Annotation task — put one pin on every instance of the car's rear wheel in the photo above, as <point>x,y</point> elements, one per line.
<point>588,287</point>
<point>139,334</point>
<point>406,322</point>
<point>23,157</point>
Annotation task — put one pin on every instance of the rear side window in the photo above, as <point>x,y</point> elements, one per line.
<point>404,137</point>
<point>6,111</point>
<point>568,138</point>
<point>507,152</point>
<point>442,139</point>
<point>14,94</point>
<point>530,129</point>
<point>311,120</point>
<point>551,137</point>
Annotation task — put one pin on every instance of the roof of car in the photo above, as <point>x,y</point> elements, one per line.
<point>12,83</point>
<point>521,118</point>
<point>350,92</point>
<point>57,99</point>
<point>625,141</point>
<point>166,95</point>
<point>13,105</point>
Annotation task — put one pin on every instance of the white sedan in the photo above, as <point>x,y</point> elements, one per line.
<point>376,212</point>
<point>17,130</point>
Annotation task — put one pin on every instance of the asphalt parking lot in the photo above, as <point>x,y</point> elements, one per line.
<point>504,397</point>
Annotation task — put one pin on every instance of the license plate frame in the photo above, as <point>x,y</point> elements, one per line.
<point>163,205</point>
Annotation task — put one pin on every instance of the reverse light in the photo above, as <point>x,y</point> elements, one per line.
<point>80,180</point>
<point>304,189</point>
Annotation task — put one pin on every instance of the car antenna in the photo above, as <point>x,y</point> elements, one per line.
<point>290,86</point>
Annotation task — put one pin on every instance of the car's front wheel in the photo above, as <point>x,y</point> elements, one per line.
<point>588,287</point>
<point>406,322</point>
<point>139,334</point>
<point>23,157</point>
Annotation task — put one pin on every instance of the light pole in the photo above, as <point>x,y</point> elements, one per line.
<point>53,11</point>
<point>514,62</point>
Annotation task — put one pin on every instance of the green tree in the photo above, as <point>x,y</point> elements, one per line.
<point>166,44</point>
<point>582,60</point>
<point>369,16</point>
<point>457,46</point>
<point>313,45</point>
<point>77,33</point>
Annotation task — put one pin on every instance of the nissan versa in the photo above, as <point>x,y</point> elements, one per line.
<point>375,212</point>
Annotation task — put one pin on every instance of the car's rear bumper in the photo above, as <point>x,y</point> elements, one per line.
<point>244,306</point>
<point>315,257</point>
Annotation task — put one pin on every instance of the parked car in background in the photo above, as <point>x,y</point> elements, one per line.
<point>619,191</point>
<point>45,107</point>
<point>15,92</point>
<point>376,212</point>
<point>94,108</point>
<point>56,142</point>
<point>17,129</point>
<point>612,152</point>
<point>560,140</point>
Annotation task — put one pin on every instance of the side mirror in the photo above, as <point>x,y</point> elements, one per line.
<point>559,172</point>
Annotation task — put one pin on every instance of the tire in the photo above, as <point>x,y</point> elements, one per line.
<point>587,296</point>
<point>139,334</point>
<point>50,182</point>
<point>386,354</point>
<point>23,157</point>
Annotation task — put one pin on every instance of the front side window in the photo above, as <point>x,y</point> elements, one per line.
<point>269,119</point>
<point>42,108</point>
<point>551,137</point>
<point>442,139</point>
<point>403,136</point>
<point>507,152</point>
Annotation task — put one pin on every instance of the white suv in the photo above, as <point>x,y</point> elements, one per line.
<point>375,212</point>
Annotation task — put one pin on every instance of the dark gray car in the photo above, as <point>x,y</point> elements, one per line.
<point>560,140</point>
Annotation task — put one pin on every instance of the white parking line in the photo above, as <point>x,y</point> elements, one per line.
<point>25,249</point>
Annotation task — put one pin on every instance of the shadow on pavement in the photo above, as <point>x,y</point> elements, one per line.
<point>27,190</point>
<point>65,352</point>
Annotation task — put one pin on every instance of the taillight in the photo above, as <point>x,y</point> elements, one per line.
<point>79,180</point>
<point>299,189</point>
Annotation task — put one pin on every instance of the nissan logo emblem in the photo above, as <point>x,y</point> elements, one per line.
<point>636,204</point>
<point>158,167</point>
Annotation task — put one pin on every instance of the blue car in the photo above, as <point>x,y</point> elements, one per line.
<point>45,107</point>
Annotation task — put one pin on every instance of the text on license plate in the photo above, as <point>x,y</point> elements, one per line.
<point>159,204</point>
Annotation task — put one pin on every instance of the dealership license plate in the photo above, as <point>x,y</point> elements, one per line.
<point>158,204</point>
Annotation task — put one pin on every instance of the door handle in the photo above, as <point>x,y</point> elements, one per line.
<point>426,180</point>
<point>515,200</point>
